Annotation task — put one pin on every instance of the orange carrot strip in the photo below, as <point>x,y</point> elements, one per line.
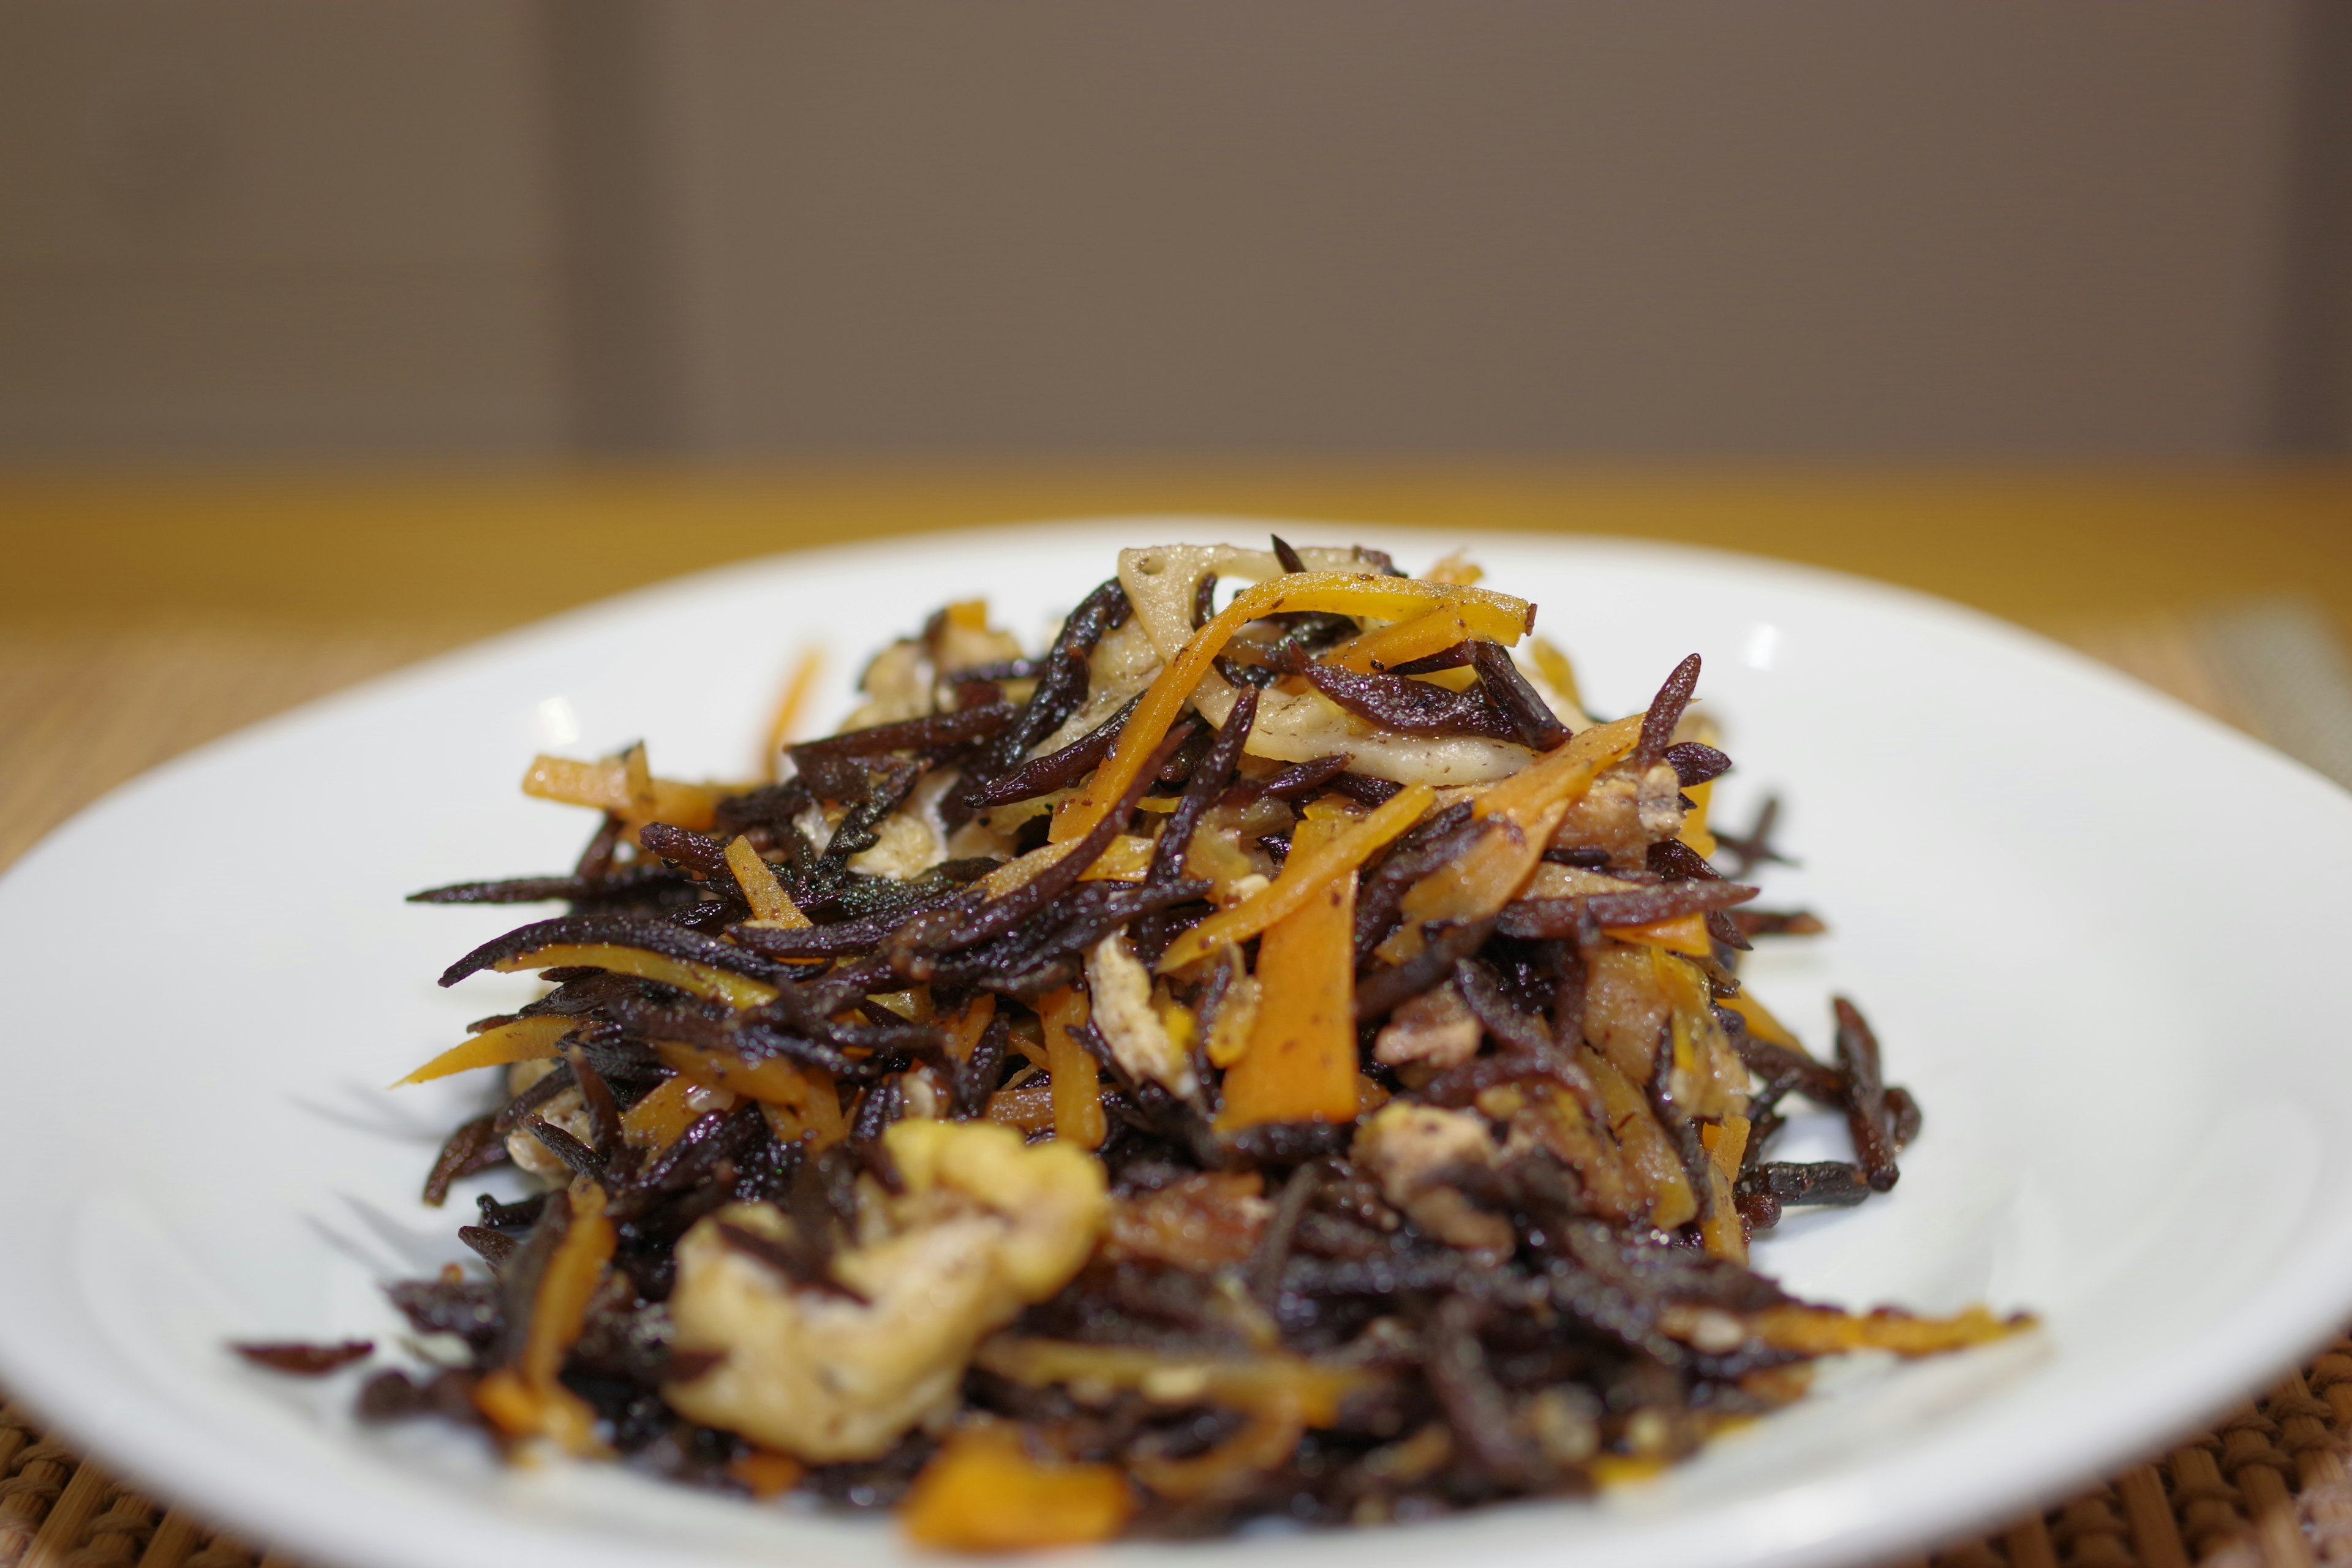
<point>1495,615</point>
<point>772,1081</point>
<point>965,1029</point>
<point>655,1122</point>
<point>524,1040</point>
<point>768,1473</point>
<point>1553,665</point>
<point>1823,1330</point>
<point>1562,773</point>
<point>1400,642</point>
<point>1762,1025</point>
<point>1301,1062</point>
<point>606,786</point>
<point>1726,1145</point>
<point>1306,872</point>
<point>1077,1076</point>
<point>1684,933</point>
<point>718,984</point>
<point>1693,831</point>
<point>1524,810</point>
<point>1649,1155</point>
<point>981,1494</point>
<point>1129,859</point>
<point>791,705</point>
<point>525,1400</point>
<point>1269,1438</point>
<point>766,895</point>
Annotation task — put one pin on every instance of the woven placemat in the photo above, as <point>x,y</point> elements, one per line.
<point>2267,1488</point>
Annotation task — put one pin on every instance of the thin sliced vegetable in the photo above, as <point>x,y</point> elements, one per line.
<point>771,905</point>
<point>1824,1330</point>
<point>524,1040</point>
<point>606,786</point>
<point>1300,1064</point>
<point>1498,616</point>
<point>981,1492</point>
<point>1077,1076</point>
<point>1684,933</point>
<point>791,708</point>
<point>527,1400</point>
<point>739,991</point>
<point>1309,869</point>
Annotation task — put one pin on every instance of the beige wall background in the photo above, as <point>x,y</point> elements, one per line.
<point>1705,229</point>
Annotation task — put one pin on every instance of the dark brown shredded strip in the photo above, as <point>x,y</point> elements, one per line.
<point>1665,711</point>
<point>306,1360</point>
<point>1411,707</point>
<point>476,1146</point>
<point>1865,1097</point>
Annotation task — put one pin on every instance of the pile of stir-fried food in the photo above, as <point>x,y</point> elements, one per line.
<point>1276,1060</point>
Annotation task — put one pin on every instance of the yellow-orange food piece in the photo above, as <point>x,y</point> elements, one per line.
<point>768,1473</point>
<point>1127,858</point>
<point>1684,933</point>
<point>798,687</point>
<point>1727,1144</point>
<point>718,984</point>
<point>524,1040</point>
<point>1562,773</point>
<point>1762,1025</point>
<point>966,1027</point>
<point>808,1093</point>
<point>1649,1155</point>
<point>1301,1061</point>
<point>981,1494</point>
<point>771,905</point>
<point>655,1121</point>
<point>606,786</point>
<point>1400,642</point>
<point>525,1400</point>
<point>1269,1381</point>
<point>1497,617</point>
<point>1824,1330</point>
<point>1271,1437</point>
<point>1076,1075</point>
<point>1554,667</point>
<point>1029,1107</point>
<point>1199,1223</point>
<point>1316,859</point>
<point>1693,831</point>
<point>1523,811</point>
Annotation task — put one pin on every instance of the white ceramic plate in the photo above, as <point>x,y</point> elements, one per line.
<point>2091,926</point>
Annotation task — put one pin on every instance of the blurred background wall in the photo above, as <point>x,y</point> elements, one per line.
<point>1705,229</point>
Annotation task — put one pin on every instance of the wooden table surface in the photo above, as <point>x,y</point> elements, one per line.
<point>143,612</point>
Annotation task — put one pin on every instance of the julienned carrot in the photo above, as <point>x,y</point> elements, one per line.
<point>770,903</point>
<point>806,1093</point>
<point>1497,617</point>
<point>1684,933</point>
<point>525,1399</point>
<point>717,984</point>
<point>607,786</point>
<point>1400,642</point>
<point>524,1040</point>
<point>1300,1065</point>
<point>1077,1079</point>
<point>1522,812</point>
<point>981,1492</point>
<point>1305,873</point>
